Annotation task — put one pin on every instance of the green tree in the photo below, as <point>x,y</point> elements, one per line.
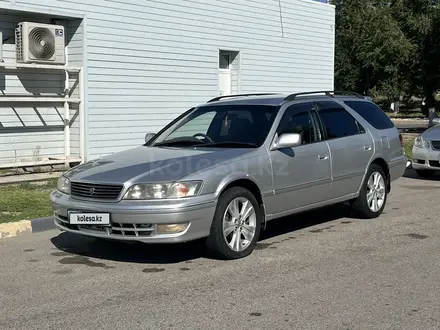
<point>388,48</point>
<point>420,21</point>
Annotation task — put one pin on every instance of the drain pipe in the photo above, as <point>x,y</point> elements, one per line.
<point>66,114</point>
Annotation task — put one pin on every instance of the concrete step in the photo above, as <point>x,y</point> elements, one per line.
<point>22,178</point>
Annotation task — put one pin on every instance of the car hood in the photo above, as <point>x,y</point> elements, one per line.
<point>151,164</point>
<point>432,133</point>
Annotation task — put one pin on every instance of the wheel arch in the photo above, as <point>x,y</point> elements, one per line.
<point>248,183</point>
<point>384,165</point>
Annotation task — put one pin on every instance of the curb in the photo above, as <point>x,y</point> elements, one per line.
<point>408,119</point>
<point>28,178</point>
<point>14,229</point>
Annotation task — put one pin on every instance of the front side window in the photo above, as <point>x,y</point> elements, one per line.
<point>337,121</point>
<point>297,119</point>
<point>231,125</point>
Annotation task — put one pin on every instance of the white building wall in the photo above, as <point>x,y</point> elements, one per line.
<point>75,34</point>
<point>148,61</point>
<point>24,132</point>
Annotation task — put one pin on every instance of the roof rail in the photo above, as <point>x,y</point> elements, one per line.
<point>292,97</point>
<point>239,95</point>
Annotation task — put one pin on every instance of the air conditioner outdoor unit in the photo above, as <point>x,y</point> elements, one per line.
<point>40,43</point>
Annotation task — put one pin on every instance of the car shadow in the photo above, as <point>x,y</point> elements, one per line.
<point>293,223</point>
<point>410,173</point>
<point>71,245</point>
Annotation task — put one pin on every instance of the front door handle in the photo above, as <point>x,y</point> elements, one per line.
<point>323,157</point>
<point>367,148</point>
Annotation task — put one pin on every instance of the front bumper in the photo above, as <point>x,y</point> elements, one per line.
<point>136,221</point>
<point>425,159</point>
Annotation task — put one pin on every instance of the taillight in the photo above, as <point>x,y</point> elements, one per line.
<point>401,139</point>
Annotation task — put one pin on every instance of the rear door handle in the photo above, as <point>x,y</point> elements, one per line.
<point>323,157</point>
<point>368,148</point>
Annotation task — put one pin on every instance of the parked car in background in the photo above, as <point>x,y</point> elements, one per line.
<point>223,169</point>
<point>426,151</point>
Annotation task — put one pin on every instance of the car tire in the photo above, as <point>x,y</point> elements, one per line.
<point>425,173</point>
<point>219,242</point>
<point>362,206</point>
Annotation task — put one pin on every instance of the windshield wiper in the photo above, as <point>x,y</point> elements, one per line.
<point>230,144</point>
<point>189,142</point>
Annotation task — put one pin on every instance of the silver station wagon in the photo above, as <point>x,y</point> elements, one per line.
<point>223,169</point>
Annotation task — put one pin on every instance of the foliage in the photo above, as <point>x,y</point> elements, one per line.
<point>25,201</point>
<point>408,144</point>
<point>388,48</point>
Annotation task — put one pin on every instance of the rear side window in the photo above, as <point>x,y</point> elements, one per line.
<point>371,113</point>
<point>337,121</point>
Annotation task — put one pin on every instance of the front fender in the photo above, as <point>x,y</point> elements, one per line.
<point>256,169</point>
<point>230,178</point>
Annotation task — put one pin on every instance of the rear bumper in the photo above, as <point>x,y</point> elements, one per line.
<point>426,159</point>
<point>397,168</point>
<point>135,223</point>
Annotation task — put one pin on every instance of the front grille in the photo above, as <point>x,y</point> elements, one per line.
<point>435,145</point>
<point>95,191</point>
<point>132,229</point>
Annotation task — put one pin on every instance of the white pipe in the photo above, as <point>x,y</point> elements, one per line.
<point>81,116</point>
<point>1,46</point>
<point>13,66</point>
<point>31,99</point>
<point>66,115</point>
<point>38,163</point>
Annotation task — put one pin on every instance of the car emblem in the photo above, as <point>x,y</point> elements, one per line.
<point>92,191</point>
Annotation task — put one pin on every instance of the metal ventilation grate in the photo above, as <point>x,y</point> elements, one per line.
<point>19,42</point>
<point>41,43</point>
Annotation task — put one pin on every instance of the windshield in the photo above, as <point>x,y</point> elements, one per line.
<point>220,126</point>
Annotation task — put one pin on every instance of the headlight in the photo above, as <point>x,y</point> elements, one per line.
<point>63,185</point>
<point>420,143</point>
<point>163,190</point>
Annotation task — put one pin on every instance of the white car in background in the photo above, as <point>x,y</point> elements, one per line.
<point>426,151</point>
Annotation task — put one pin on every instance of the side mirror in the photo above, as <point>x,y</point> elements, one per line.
<point>149,136</point>
<point>288,140</point>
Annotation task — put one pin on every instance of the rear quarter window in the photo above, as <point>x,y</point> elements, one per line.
<point>371,113</point>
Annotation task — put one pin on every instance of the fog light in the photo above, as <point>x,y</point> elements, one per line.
<point>172,228</point>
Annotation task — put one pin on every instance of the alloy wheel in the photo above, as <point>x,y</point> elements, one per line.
<point>375,192</point>
<point>239,224</point>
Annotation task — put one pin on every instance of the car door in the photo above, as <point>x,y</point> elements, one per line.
<point>351,147</point>
<point>301,175</point>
